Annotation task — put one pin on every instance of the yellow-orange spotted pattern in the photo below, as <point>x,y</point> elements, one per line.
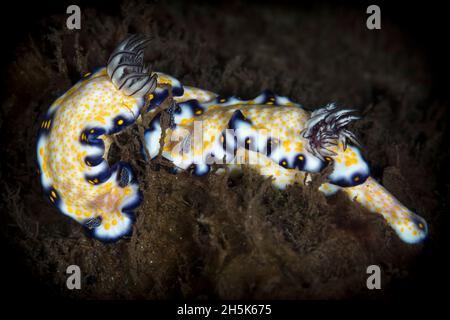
<point>286,122</point>
<point>96,103</point>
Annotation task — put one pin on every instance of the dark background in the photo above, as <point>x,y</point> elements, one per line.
<point>424,23</point>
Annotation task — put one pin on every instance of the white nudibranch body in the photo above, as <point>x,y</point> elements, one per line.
<point>75,137</point>
<point>274,135</point>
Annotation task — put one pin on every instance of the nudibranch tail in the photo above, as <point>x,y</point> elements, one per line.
<point>410,227</point>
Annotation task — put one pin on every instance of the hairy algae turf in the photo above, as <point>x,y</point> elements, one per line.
<point>223,236</point>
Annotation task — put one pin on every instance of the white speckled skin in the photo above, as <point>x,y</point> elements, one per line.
<point>73,142</point>
<point>92,105</point>
<point>264,132</point>
<point>271,116</point>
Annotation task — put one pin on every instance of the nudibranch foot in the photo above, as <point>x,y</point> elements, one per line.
<point>114,208</point>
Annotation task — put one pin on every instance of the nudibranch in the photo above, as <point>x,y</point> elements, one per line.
<point>274,135</point>
<point>75,136</point>
<point>280,139</point>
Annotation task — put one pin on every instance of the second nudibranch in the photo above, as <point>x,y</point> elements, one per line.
<point>282,140</point>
